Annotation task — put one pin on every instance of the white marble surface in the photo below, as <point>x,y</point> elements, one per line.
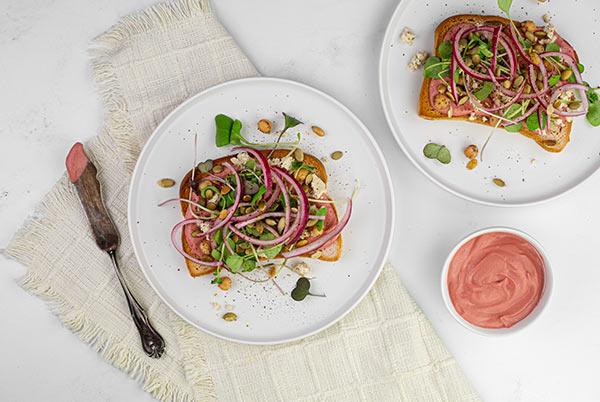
<point>48,101</point>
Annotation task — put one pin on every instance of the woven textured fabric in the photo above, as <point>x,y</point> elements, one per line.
<point>145,66</point>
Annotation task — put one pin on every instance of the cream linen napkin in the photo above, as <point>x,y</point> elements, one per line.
<point>145,66</point>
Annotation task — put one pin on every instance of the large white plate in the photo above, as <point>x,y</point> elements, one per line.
<point>265,316</point>
<point>532,175</point>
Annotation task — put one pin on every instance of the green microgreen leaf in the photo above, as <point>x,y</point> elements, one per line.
<point>223,125</point>
<point>435,68</point>
<point>204,167</point>
<point>553,80</point>
<point>580,67</point>
<point>505,6</point>
<point>485,91</point>
<point>321,222</point>
<point>216,254</point>
<point>234,262</point>
<point>289,122</point>
<point>445,49</point>
<point>593,114</point>
<point>484,51</point>
<point>256,197</point>
<point>533,123</point>
<point>552,47</point>
<point>514,128</point>
<point>236,133</point>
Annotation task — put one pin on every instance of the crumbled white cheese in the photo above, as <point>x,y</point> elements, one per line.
<point>284,163</point>
<point>533,162</point>
<point>214,198</point>
<point>550,31</point>
<point>450,112</point>
<point>204,227</point>
<point>301,269</point>
<point>240,159</point>
<point>483,118</point>
<point>417,60</point>
<point>472,117</point>
<point>407,36</point>
<point>317,186</point>
<point>546,17</point>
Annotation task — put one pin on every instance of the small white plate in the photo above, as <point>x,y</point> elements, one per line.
<point>532,175</point>
<point>265,316</point>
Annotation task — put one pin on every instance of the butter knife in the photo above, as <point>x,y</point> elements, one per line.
<point>82,173</point>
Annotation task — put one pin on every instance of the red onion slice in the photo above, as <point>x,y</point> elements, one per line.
<point>570,61</point>
<point>456,53</point>
<point>495,38</point>
<point>254,214</point>
<point>264,165</point>
<point>582,93</point>
<point>180,249</point>
<point>515,40</point>
<point>286,199</point>
<point>538,94</point>
<point>302,202</point>
<point>323,239</point>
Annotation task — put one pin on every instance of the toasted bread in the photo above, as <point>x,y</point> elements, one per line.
<point>330,252</point>
<point>553,141</point>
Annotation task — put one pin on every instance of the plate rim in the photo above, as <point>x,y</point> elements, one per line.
<point>387,180</point>
<point>387,111</point>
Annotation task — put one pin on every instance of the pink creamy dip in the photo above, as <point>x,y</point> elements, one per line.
<point>496,279</point>
<point>467,108</point>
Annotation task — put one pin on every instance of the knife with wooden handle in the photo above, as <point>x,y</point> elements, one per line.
<point>82,174</point>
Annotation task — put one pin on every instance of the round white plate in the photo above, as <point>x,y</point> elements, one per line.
<point>265,316</point>
<point>532,175</point>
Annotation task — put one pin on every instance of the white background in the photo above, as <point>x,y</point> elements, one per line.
<point>47,101</point>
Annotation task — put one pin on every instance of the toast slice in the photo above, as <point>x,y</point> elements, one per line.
<point>554,139</point>
<point>200,248</point>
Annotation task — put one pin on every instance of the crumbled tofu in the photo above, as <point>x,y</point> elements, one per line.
<point>317,186</point>
<point>417,60</point>
<point>546,17</point>
<point>483,118</point>
<point>204,227</point>
<point>407,36</point>
<point>472,117</point>
<point>240,159</point>
<point>550,31</point>
<point>284,163</point>
<point>301,269</point>
<point>533,162</point>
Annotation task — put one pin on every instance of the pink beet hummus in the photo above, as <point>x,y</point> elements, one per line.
<point>496,279</point>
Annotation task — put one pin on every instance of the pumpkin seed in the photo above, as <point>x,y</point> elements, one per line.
<point>302,243</point>
<point>217,169</point>
<point>309,179</point>
<point>211,205</point>
<point>463,100</point>
<point>205,183</point>
<point>441,88</point>
<point>230,316</point>
<point>574,105</point>
<point>262,205</point>
<point>246,198</point>
<point>499,182</point>
<point>299,155</point>
<point>539,48</point>
<point>281,225</point>
<point>270,222</point>
<point>565,75</point>
<point>223,214</point>
<point>518,81</point>
<point>318,131</point>
<point>166,183</point>
<point>260,227</point>
<point>225,190</point>
<point>541,33</point>
<point>472,164</point>
<point>337,155</point>
<point>530,36</point>
<point>535,58</point>
<point>208,194</point>
<point>311,223</point>
<point>507,84</point>
<point>265,126</point>
<point>196,233</point>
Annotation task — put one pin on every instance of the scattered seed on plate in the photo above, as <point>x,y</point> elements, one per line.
<point>265,126</point>
<point>318,131</point>
<point>225,285</point>
<point>166,183</point>
<point>230,316</point>
<point>337,155</point>
<point>471,151</point>
<point>472,164</point>
<point>499,182</point>
<point>299,155</point>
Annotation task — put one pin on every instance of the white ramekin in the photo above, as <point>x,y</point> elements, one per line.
<point>524,322</point>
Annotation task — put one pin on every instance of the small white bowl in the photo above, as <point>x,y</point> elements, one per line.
<point>524,322</point>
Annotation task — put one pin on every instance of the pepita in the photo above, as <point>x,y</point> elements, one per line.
<point>223,214</point>
<point>246,198</point>
<point>217,169</point>
<point>265,126</point>
<point>499,182</point>
<point>311,223</point>
<point>299,155</point>
<point>166,183</point>
<point>281,225</point>
<point>441,88</point>
<point>270,222</point>
<point>565,75</point>
<point>230,316</point>
<point>530,37</point>
<point>211,205</point>
<point>574,105</point>
<point>309,179</point>
<point>472,164</point>
<point>337,155</point>
<point>518,81</point>
<point>318,131</point>
<point>302,243</point>
<point>196,233</point>
<point>463,100</point>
